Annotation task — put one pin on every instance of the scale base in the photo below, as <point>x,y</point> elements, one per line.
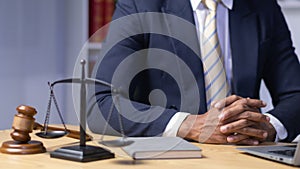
<point>82,153</point>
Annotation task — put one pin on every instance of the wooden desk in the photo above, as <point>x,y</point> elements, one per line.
<point>215,157</point>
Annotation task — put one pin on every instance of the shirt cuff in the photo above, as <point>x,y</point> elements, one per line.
<point>281,132</point>
<point>174,124</point>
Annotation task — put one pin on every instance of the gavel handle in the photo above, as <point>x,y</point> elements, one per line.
<point>72,133</point>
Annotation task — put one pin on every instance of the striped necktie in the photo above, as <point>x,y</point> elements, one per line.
<point>216,85</point>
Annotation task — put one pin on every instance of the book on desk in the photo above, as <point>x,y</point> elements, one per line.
<point>161,148</point>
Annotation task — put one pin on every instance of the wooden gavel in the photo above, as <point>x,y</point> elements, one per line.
<point>23,124</point>
<point>22,127</point>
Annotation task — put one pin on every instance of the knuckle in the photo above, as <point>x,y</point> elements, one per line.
<point>229,127</point>
<point>245,130</point>
<point>263,117</point>
<point>247,115</point>
<point>261,133</point>
<point>235,97</point>
<point>246,122</point>
<point>243,100</point>
<point>226,112</point>
<point>240,107</point>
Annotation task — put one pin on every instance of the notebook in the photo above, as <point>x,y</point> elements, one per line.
<point>161,148</point>
<point>288,154</point>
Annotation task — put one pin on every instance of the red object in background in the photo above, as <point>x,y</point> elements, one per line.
<point>100,14</point>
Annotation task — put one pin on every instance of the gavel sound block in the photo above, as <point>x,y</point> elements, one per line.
<point>22,126</point>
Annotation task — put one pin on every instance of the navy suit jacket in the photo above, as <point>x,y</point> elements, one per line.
<point>261,50</point>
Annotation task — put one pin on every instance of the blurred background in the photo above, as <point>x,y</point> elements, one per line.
<point>40,41</point>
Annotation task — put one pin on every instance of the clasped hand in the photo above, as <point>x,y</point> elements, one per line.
<point>234,120</point>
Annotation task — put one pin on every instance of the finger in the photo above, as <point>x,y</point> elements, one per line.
<point>255,103</point>
<point>253,109</point>
<point>215,139</point>
<point>250,102</point>
<point>241,139</point>
<point>249,141</point>
<point>235,138</point>
<point>227,101</point>
<point>237,108</point>
<point>232,111</point>
<point>236,126</point>
<point>213,103</point>
<point>249,115</point>
<point>253,132</point>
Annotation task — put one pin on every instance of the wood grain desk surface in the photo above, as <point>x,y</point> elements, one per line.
<point>214,157</point>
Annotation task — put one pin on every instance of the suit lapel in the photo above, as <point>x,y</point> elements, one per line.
<point>183,9</point>
<point>244,45</point>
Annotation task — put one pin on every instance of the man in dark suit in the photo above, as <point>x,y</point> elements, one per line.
<point>258,47</point>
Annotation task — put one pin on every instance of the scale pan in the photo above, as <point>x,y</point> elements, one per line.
<point>117,143</point>
<point>52,134</point>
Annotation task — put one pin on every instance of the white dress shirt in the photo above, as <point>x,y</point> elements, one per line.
<point>200,12</point>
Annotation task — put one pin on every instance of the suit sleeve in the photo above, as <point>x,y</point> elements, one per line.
<point>282,75</point>
<point>123,41</point>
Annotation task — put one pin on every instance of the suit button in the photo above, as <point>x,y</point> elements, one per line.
<point>173,107</point>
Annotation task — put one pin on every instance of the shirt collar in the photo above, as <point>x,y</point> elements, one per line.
<point>227,3</point>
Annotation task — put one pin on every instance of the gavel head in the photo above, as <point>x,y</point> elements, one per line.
<point>23,123</point>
